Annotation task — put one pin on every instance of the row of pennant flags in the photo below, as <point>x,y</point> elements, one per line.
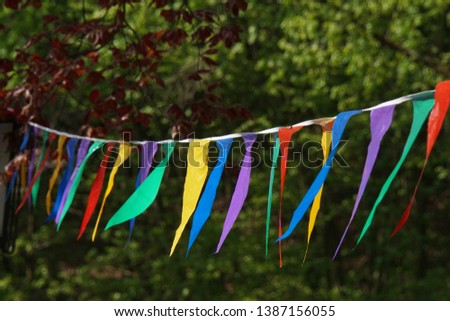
<point>199,189</point>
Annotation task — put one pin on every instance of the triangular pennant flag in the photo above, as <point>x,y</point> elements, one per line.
<point>421,109</point>
<point>145,194</point>
<point>35,189</point>
<point>70,148</point>
<point>37,174</point>
<point>338,130</point>
<point>380,121</point>
<point>148,153</point>
<point>240,191</point>
<point>54,177</point>
<point>197,170</point>
<point>124,153</point>
<point>435,121</point>
<point>81,154</point>
<point>77,173</point>
<point>285,135</point>
<point>96,189</point>
<point>206,201</point>
<point>325,143</point>
<point>31,162</point>
<point>275,153</point>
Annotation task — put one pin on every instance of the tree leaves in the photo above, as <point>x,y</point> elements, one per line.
<point>129,64</point>
<point>94,96</point>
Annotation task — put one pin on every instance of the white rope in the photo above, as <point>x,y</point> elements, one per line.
<point>421,95</point>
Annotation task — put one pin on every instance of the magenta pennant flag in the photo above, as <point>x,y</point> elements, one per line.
<point>240,191</point>
<point>380,121</point>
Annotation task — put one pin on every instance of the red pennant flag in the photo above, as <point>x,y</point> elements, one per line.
<point>435,121</point>
<point>284,135</point>
<point>95,192</point>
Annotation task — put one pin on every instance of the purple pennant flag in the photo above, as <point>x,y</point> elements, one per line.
<point>82,151</point>
<point>380,121</point>
<point>241,189</point>
<point>148,153</point>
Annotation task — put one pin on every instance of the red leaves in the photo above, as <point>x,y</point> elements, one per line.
<point>12,4</point>
<point>159,81</point>
<point>118,94</point>
<point>237,111</point>
<point>187,16</point>
<point>210,62</point>
<point>6,66</point>
<point>202,33</point>
<point>95,77</point>
<point>204,15</point>
<point>202,111</point>
<point>212,87</point>
<point>228,34</point>
<point>170,15</point>
<point>236,5</point>
<point>36,3</point>
<point>195,76</point>
<point>175,111</point>
<point>160,3</point>
<point>94,96</point>
<point>174,37</point>
<point>114,71</point>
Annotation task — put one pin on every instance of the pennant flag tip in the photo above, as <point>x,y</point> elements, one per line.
<point>334,257</point>
<point>397,229</point>
<point>403,220</point>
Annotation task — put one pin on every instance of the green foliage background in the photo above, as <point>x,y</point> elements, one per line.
<point>297,60</point>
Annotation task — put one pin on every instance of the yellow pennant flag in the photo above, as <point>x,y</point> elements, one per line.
<point>124,153</point>
<point>325,142</point>
<point>48,199</point>
<point>197,170</point>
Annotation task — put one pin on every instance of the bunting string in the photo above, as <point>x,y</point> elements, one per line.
<point>200,186</point>
<point>421,95</point>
